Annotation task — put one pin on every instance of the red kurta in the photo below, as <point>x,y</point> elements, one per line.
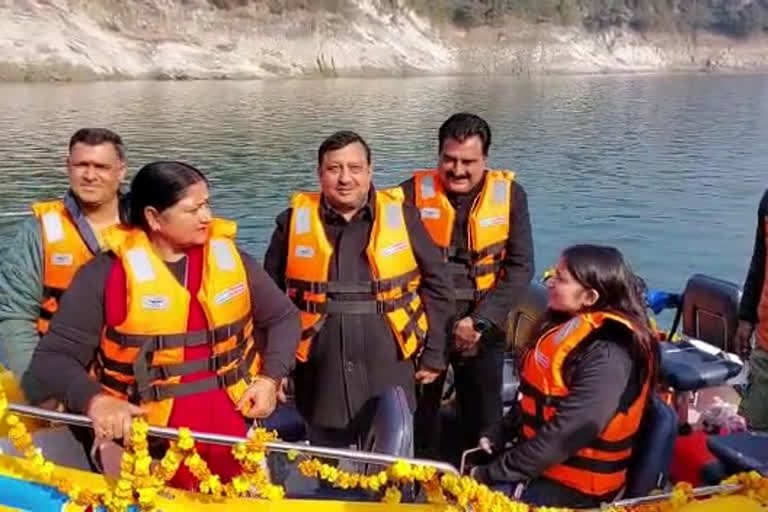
<point>209,411</point>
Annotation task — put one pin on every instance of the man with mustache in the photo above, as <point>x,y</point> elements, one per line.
<point>374,294</point>
<point>50,247</point>
<point>479,219</point>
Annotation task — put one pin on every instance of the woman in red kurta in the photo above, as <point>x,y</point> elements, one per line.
<point>169,202</point>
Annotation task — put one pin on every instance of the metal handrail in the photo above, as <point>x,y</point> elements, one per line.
<point>334,453</point>
<point>697,492</point>
<point>273,446</point>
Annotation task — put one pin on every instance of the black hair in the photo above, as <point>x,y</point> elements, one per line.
<point>97,136</point>
<point>604,270</point>
<point>461,127</point>
<point>160,185</point>
<point>340,140</point>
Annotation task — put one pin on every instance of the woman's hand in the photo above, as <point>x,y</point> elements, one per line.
<point>486,444</point>
<point>112,416</point>
<point>260,399</point>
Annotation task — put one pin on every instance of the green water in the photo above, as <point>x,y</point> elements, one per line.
<point>668,168</point>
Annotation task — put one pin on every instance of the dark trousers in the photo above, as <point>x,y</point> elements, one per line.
<point>478,382</point>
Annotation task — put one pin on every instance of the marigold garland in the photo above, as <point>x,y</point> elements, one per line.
<point>141,479</point>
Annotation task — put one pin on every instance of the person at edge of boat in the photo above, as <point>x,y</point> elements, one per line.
<point>753,319</point>
<point>373,292</point>
<point>49,247</point>
<point>184,327</point>
<point>479,218</point>
<point>573,434</point>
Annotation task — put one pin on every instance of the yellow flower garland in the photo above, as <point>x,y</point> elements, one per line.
<point>140,483</point>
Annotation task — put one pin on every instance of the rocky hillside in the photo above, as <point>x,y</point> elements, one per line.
<point>178,39</point>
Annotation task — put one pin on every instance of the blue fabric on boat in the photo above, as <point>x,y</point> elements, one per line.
<point>24,495</point>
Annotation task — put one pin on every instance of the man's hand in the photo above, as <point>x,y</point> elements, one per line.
<point>260,399</point>
<point>741,340</point>
<point>465,335</point>
<point>427,375</point>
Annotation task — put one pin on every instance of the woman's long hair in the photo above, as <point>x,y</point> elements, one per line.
<point>619,290</point>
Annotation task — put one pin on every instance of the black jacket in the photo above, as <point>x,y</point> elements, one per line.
<point>587,410</point>
<point>355,357</point>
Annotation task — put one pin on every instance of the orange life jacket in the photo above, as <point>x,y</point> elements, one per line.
<point>487,227</point>
<point>599,468</point>
<point>64,252</point>
<point>761,331</point>
<point>142,359</point>
<point>393,289</point>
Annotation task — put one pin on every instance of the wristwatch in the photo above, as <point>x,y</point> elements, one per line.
<point>481,325</point>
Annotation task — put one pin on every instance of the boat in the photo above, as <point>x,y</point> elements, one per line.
<point>31,478</point>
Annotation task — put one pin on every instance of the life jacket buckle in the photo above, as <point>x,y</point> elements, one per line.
<point>226,330</point>
<point>154,392</point>
<point>311,306</point>
<point>163,371</point>
<point>317,288</point>
<point>158,343</point>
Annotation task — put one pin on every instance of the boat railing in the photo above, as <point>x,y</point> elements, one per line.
<point>698,492</point>
<point>271,446</point>
<point>336,453</point>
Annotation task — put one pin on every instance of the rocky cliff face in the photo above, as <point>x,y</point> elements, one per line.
<point>191,39</point>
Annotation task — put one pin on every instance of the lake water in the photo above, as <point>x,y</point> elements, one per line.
<point>668,168</point>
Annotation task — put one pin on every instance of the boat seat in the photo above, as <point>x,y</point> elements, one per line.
<point>524,316</point>
<point>510,382</point>
<point>287,421</point>
<point>653,454</point>
<point>741,451</point>
<point>519,333</point>
<point>686,368</point>
<point>390,432</point>
<point>710,310</point>
<point>391,429</point>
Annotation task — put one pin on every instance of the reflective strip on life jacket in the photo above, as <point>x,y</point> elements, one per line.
<point>599,468</point>
<point>143,358</point>
<point>64,252</point>
<point>393,291</point>
<point>487,227</point>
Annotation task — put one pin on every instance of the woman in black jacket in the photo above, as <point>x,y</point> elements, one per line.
<point>584,386</point>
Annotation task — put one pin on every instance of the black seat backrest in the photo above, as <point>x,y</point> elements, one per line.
<point>524,316</point>
<point>391,430</point>
<point>653,451</point>
<point>711,310</point>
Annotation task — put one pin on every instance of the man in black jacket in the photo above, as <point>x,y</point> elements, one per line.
<point>324,253</point>
<point>480,219</point>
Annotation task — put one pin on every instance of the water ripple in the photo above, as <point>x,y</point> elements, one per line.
<point>669,168</point>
